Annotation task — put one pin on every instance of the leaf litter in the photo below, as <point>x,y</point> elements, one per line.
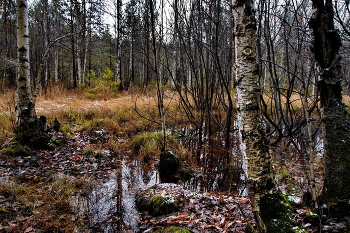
<point>199,212</point>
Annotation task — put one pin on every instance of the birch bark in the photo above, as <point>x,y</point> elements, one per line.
<point>267,201</point>
<point>25,105</point>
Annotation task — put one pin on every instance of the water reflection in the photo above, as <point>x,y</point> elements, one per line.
<point>111,205</point>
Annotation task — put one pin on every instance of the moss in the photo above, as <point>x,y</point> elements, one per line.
<point>164,204</point>
<point>151,143</point>
<point>15,149</point>
<point>35,139</point>
<point>143,204</point>
<point>298,230</point>
<point>276,212</point>
<point>173,230</point>
<point>148,143</point>
<point>311,217</point>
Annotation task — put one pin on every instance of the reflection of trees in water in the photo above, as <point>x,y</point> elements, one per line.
<point>110,207</point>
<point>220,164</point>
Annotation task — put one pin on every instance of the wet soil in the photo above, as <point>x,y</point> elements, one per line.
<point>119,177</point>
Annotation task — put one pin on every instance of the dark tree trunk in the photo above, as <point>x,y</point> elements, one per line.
<point>336,127</point>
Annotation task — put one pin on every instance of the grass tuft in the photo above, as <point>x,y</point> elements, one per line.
<point>48,205</point>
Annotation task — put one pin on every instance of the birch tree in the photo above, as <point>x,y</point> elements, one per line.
<point>25,105</point>
<point>118,34</point>
<point>271,210</point>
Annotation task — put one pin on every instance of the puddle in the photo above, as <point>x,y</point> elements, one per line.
<point>111,205</point>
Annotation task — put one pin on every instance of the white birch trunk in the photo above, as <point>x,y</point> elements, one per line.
<point>79,69</point>
<point>56,66</point>
<point>118,33</point>
<point>25,105</point>
<point>254,144</point>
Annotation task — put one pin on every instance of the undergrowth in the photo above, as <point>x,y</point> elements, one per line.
<point>149,144</point>
<point>47,204</point>
<point>83,109</point>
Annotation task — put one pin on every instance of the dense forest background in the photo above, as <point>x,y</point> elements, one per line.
<point>86,44</point>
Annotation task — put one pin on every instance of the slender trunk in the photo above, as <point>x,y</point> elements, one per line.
<point>25,105</point>
<point>268,203</point>
<point>160,92</point>
<point>74,69</point>
<point>311,150</point>
<point>118,32</point>
<point>56,66</point>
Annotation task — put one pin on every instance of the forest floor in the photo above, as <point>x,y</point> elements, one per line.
<point>44,191</point>
<point>199,212</point>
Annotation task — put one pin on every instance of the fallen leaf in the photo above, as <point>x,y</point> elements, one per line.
<point>29,229</point>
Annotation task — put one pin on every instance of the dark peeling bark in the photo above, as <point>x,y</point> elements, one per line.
<point>335,119</point>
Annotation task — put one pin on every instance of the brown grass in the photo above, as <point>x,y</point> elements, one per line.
<point>127,114</point>
<point>48,204</point>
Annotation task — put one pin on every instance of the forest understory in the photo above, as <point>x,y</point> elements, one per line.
<point>58,190</point>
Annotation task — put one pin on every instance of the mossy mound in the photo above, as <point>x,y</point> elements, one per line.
<point>169,164</point>
<point>276,212</point>
<point>35,136</point>
<point>173,230</point>
<point>158,204</point>
<point>298,230</point>
<point>39,140</point>
<point>164,204</point>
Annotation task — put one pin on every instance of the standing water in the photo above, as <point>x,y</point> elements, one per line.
<point>111,205</point>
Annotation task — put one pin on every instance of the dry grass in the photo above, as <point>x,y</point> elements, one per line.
<point>149,144</point>
<point>48,204</point>
<point>127,114</point>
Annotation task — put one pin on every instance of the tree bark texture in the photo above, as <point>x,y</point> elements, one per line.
<point>335,119</point>
<point>255,144</point>
<point>25,105</point>
<point>267,201</point>
<point>118,32</point>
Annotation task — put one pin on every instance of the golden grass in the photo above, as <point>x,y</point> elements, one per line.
<point>127,114</point>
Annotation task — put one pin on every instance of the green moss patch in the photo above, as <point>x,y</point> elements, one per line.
<point>276,212</point>
<point>156,205</point>
<point>164,204</point>
<point>173,230</point>
<point>15,149</point>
